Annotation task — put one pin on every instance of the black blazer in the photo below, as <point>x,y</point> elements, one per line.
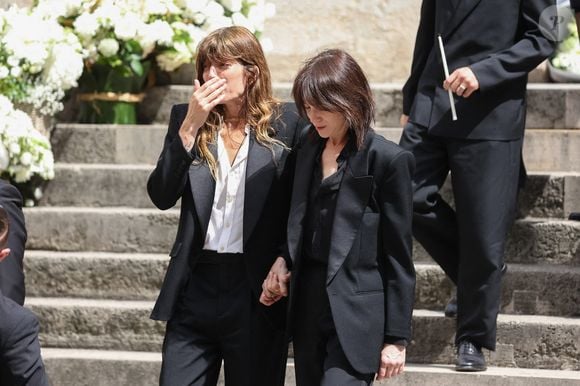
<point>267,198</point>
<point>371,278</point>
<point>501,41</point>
<point>20,360</point>
<point>11,271</point>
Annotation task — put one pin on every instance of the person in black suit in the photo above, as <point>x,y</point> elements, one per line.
<point>11,271</point>
<point>20,359</point>
<point>226,156</point>
<point>349,234</point>
<point>575,5</point>
<point>490,47</point>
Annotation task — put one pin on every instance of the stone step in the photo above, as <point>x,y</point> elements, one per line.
<point>123,229</point>
<point>541,289</point>
<point>101,275</point>
<point>70,367</point>
<point>120,144</point>
<point>544,150</point>
<point>523,341</point>
<point>550,105</point>
<point>545,195</point>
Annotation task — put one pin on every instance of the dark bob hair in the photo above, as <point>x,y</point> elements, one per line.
<point>333,81</point>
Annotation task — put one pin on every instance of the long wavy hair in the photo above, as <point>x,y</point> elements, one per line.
<point>258,105</point>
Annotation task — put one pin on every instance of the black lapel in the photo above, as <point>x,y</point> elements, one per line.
<point>353,197</point>
<point>303,175</point>
<point>202,189</point>
<point>260,170</point>
<point>461,12</point>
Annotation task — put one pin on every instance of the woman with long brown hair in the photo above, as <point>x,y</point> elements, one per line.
<point>349,234</point>
<point>226,156</point>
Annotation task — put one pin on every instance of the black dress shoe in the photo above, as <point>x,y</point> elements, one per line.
<point>451,307</point>
<point>469,357</point>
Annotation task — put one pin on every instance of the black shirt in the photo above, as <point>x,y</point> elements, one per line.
<point>322,197</point>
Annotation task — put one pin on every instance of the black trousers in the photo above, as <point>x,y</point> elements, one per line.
<point>468,242</point>
<point>218,319</point>
<point>318,356</point>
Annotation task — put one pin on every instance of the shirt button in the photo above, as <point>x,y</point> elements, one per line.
<point>222,249</point>
<point>229,198</point>
<point>227,225</point>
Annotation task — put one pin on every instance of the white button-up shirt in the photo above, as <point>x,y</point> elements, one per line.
<point>225,232</point>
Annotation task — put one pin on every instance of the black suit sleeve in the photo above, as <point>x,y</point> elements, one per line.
<point>20,349</point>
<point>575,4</point>
<point>534,46</point>
<point>167,181</point>
<point>423,45</point>
<point>292,127</point>
<point>396,206</point>
<point>11,271</point>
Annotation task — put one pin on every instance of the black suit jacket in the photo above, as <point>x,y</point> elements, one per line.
<point>20,360</point>
<point>267,199</point>
<point>370,278</point>
<point>11,270</point>
<point>501,41</point>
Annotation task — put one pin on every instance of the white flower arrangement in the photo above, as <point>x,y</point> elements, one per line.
<point>39,59</point>
<point>567,56</point>
<point>166,30</point>
<point>25,153</point>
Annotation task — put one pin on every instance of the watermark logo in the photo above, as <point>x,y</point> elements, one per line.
<point>554,22</point>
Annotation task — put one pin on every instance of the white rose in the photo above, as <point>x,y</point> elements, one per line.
<point>232,5</point>
<point>22,174</point>
<point>241,20</point>
<point>213,9</point>
<point>171,60</point>
<point>26,158</point>
<point>86,25</point>
<point>37,193</point>
<point>16,71</point>
<point>4,157</point>
<point>14,148</point>
<point>162,32</point>
<point>213,23</point>
<point>4,72</point>
<point>199,18</point>
<point>108,47</point>
<point>126,27</point>
<point>63,68</point>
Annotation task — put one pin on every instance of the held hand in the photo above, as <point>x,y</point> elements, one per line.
<point>204,98</point>
<point>392,361</point>
<point>404,120</point>
<point>275,286</point>
<point>462,82</point>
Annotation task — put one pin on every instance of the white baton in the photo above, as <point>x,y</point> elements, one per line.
<point>446,69</point>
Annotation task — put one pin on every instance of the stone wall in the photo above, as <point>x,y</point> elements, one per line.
<point>380,34</point>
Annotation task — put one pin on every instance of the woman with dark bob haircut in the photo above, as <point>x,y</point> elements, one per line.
<point>349,234</point>
<point>225,156</point>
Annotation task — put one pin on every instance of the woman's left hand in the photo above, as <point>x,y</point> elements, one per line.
<point>392,361</point>
<point>275,286</point>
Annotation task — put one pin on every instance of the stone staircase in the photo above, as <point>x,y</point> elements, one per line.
<point>98,249</point>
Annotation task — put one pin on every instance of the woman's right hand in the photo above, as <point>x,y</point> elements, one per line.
<point>204,98</point>
<point>275,286</point>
